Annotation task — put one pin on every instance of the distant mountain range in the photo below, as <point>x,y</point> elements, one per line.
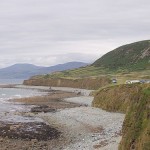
<point>24,71</point>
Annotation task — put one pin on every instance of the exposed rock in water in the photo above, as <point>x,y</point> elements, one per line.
<point>43,108</point>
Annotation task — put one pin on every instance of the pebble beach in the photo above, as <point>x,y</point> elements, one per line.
<point>80,126</point>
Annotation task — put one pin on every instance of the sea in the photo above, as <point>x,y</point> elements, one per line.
<point>9,109</point>
<point>11,81</point>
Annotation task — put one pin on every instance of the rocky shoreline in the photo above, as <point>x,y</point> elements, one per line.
<point>69,123</point>
<point>28,131</point>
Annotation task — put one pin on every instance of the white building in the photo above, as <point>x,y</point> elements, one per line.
<point>132,81</point>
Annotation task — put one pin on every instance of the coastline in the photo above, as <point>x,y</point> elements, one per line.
<point>82,126</point>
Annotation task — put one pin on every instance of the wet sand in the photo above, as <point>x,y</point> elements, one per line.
<point>54,100</point>
<point>79,125</point>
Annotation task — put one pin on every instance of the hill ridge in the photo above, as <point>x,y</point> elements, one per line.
<point>24,71</point>
<point>134,56</point>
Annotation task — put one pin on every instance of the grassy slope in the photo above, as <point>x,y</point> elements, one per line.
<point>135,56</point>
<point>77,73</point>
<point>97,72</point>
<point>136,127</point>
<point>135,101</point>
<point>115,98</point>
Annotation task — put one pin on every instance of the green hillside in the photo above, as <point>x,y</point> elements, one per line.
<point>135,56</point>
<point>127,62</point>
<point>128,58</point>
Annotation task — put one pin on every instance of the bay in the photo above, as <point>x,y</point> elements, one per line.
<point>8,109</point>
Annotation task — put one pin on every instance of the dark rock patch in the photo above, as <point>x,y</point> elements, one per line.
<point>43,108</point>
<point>28,131</point>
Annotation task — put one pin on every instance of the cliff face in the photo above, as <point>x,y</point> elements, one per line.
<point>115,98</point>
<point>86,83</point>
<point>134,100</point>
<point>136,126</point>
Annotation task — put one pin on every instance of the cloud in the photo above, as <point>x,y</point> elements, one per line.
<point>37,28</point>
<point>47,60</point>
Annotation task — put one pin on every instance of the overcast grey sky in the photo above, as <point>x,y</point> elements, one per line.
<point>48,32</point>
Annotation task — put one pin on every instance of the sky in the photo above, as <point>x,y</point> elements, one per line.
<point>50,32</point>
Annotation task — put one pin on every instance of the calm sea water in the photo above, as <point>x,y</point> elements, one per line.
<point>8,109</point>
<point>11,81</point>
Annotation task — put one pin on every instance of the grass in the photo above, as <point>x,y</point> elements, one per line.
<point>80,72</point>
<point>136,127</point>
<point>94,72</point>
<point>132,57</point>
<point>147,91</point>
